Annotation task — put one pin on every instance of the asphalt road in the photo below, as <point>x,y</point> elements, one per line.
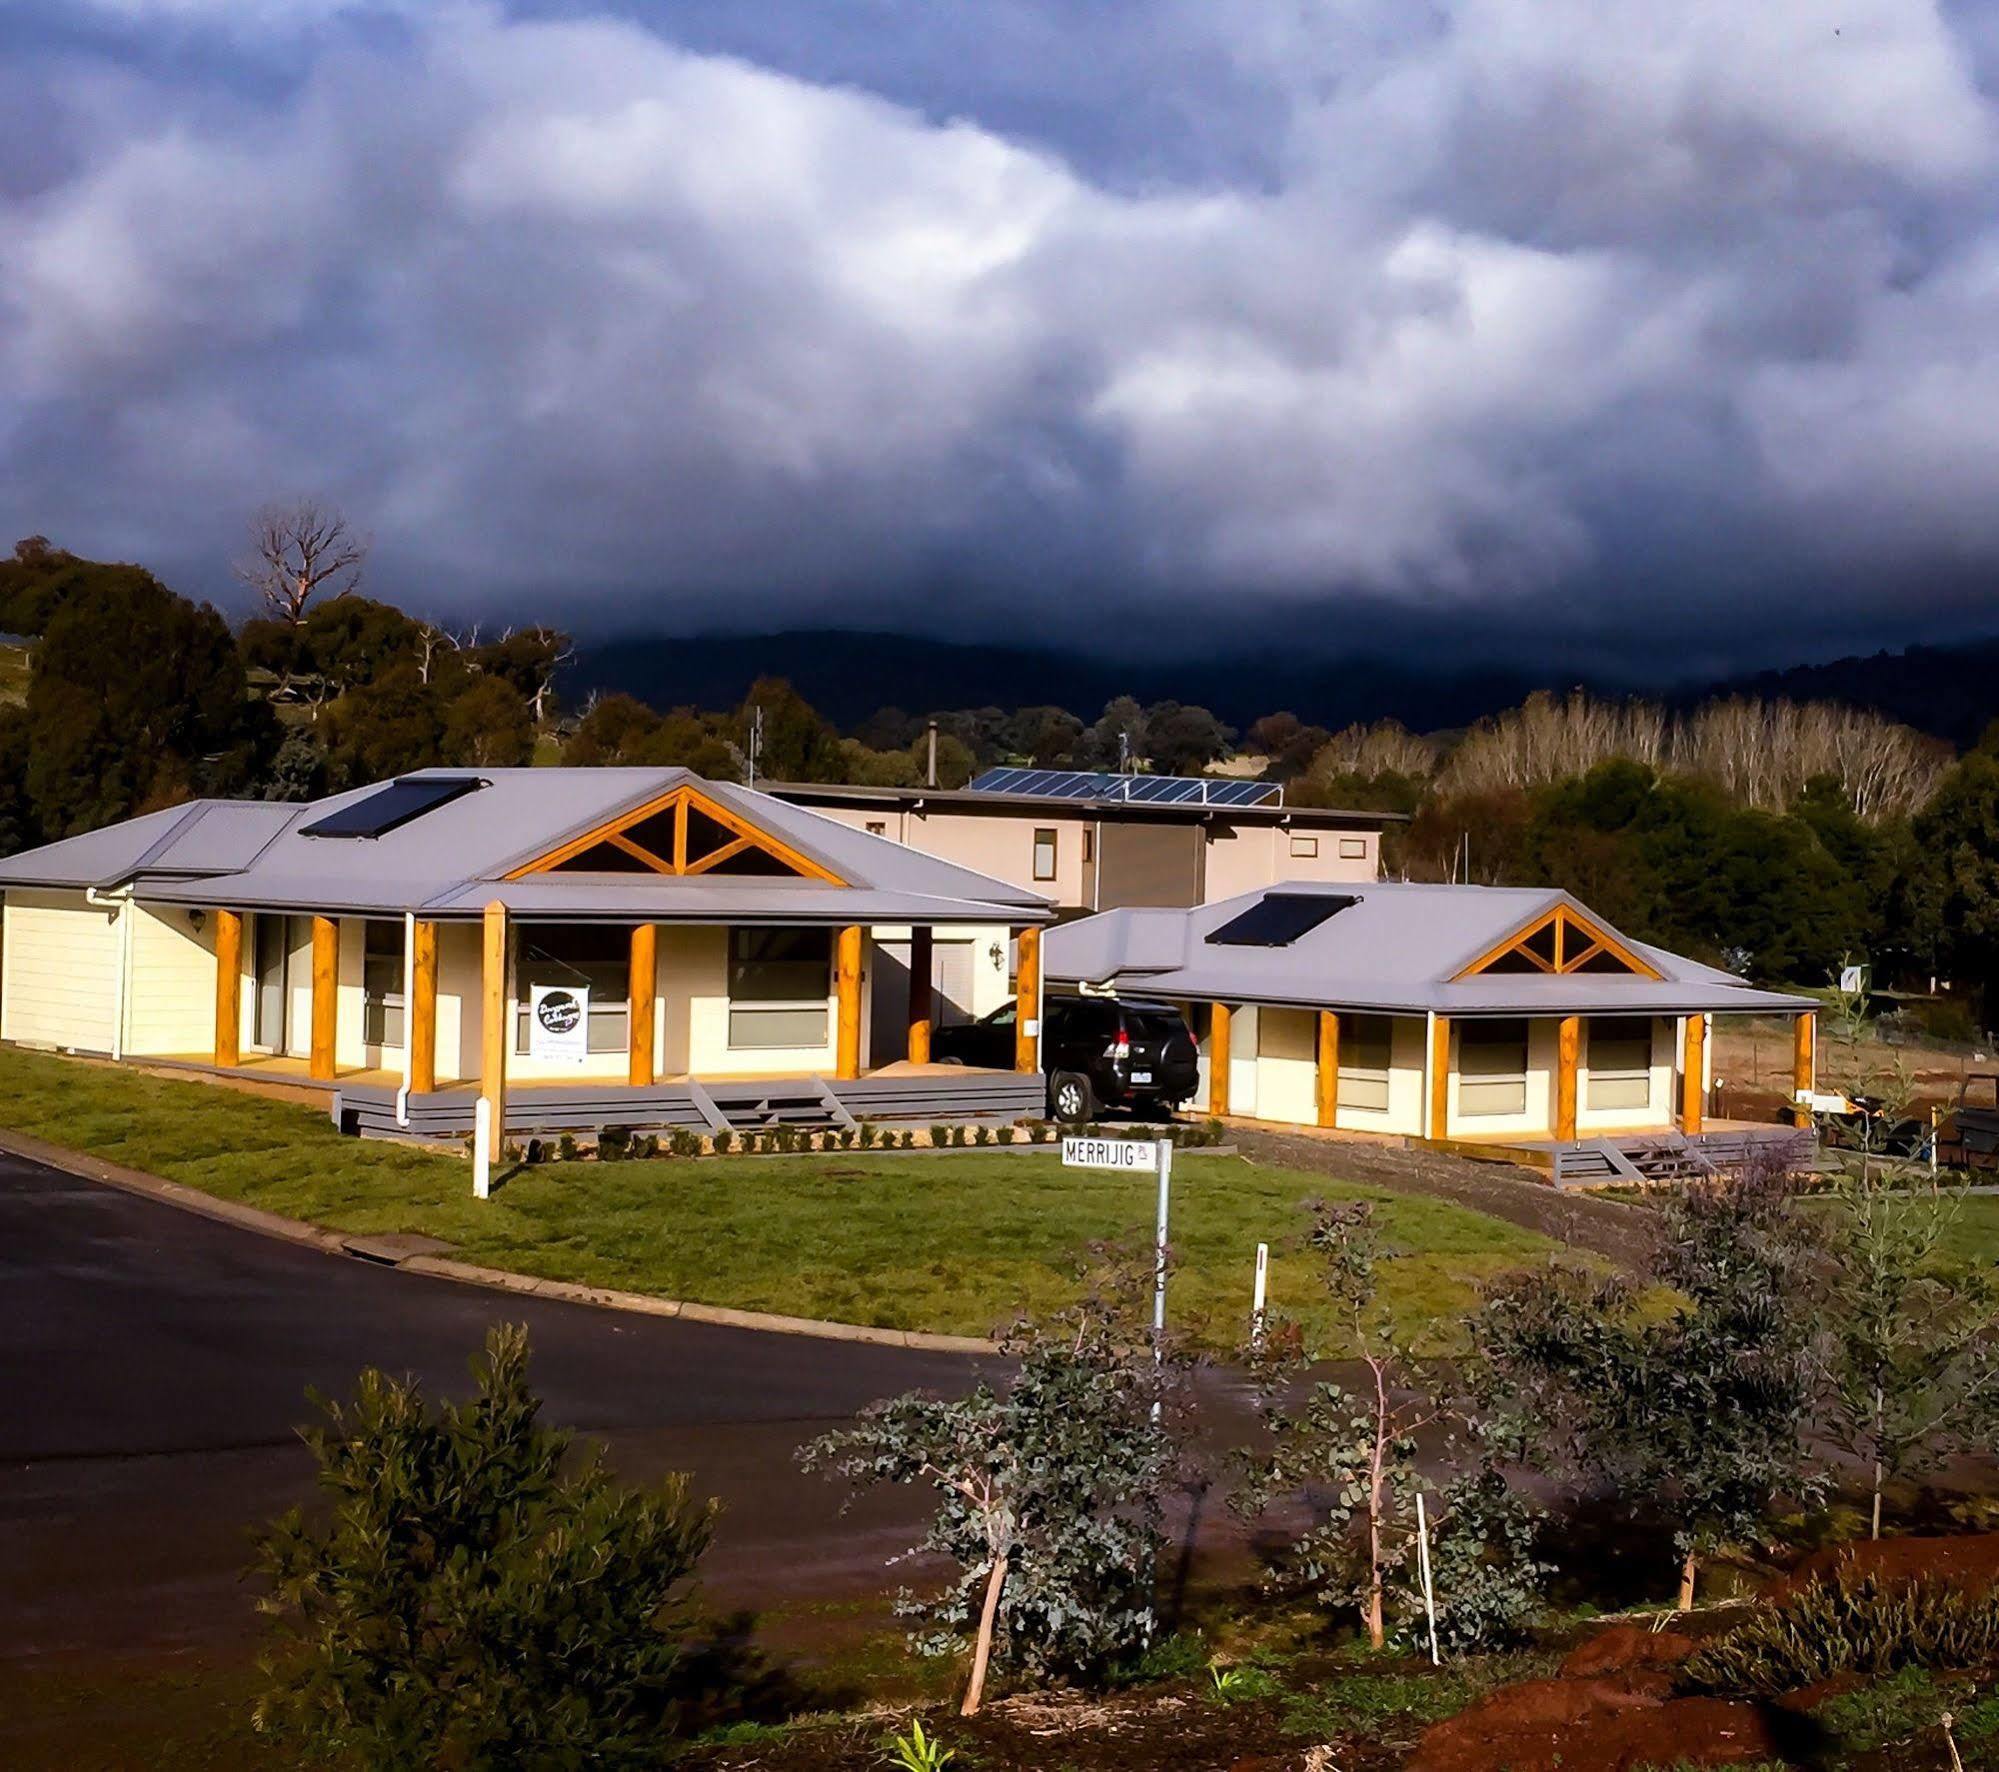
<point>153,1370</point>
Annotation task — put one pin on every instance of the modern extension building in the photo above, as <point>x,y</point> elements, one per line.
<point>581,946</point>
<point>1100,842</point>
<point>1449,1013</point>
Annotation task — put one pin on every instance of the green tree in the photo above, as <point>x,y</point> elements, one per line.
<point>298,768</point>
<point>137,699</point>
<point>1700,1411</point>
<point>384,728</point>
<point>475,1597</point>
<point>529,659</point>
<point>40,578</point>
<point>1356,1447</point>
<point>796,744</point>
<point>1914,1370</point>
<point>1958,834</point>
<point>334,647</point>
<point>1183,740</point>
<point>1049,1493</point>
<point>488,725</point>
<point>18,830</point>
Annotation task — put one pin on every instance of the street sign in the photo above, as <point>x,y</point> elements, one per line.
<point>1127,1154</point>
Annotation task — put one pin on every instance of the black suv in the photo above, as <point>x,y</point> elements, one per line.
<point>1098,1052</point>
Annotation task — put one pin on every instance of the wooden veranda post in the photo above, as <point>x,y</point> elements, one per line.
<point>640,995</point>
<point>1440,1076</point>
<point>1804,1065</point>
<point>920,1013</point>
<point>229,987</point>
<point>1218,1060</point>
<point>1329,1067</point>
<point>495,1024</point>
<point>423,1007</point>
<point>847,996</point>
<point>1693,1075</point>
<point>1568,1061</point>
<point>325,997</point>
<point>1027,1002</point>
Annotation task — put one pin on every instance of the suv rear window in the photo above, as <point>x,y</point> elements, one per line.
<point>1153,1024</point>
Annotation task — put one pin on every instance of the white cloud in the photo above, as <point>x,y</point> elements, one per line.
<point>559,303</point>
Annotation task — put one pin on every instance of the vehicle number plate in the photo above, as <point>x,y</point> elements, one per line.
<point>1141,1076</point>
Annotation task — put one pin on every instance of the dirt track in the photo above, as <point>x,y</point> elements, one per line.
<point>1614,1228</point>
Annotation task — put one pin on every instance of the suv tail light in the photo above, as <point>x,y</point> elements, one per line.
<point>1120,1047</point>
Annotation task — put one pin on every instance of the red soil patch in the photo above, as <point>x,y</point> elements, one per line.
<point>1642,1658</point>
<point>1551,1726</point>
<point>1970,1562</point>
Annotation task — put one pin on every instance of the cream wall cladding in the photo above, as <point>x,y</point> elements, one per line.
<point>59,970</point>
<point>170,993</point>
<point>1242,858</point>
<point>1287,1067</point>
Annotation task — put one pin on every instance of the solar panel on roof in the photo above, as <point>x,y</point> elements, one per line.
<point>1279,918</point>
<point>1140,790</point>
<point>376,814</point>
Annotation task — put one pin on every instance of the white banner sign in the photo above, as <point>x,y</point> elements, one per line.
<point>559,1023</point>
<point>1110,1153</point>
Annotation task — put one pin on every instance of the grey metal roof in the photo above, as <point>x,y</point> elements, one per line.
<point>1156,811</point>
<point>450,861</point>
<point>1397,947</point>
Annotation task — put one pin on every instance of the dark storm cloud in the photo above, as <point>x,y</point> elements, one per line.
<point>1672,326</point>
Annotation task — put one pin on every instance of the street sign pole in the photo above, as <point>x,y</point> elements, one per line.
<point>1164,1148</point>
<point>1131,1156</point>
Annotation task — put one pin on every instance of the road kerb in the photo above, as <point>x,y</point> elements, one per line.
<point>439,1267</point>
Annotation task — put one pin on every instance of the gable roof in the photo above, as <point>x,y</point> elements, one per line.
<point>454,859</point>
<point>1395,947</point>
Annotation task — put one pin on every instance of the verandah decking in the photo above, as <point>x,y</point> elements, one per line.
<point>917,1095</point>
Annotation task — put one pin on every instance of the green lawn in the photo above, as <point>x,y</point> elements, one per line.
<point>954,1242</point>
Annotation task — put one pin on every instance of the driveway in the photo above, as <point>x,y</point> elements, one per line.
<point>153,1369</point>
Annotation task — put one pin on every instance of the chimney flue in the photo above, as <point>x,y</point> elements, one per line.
<point>930,772</point>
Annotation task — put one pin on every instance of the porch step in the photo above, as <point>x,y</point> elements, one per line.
<point>446,1116</point>
<point>1660,1158</point>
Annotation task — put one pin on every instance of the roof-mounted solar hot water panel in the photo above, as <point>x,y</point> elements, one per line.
<point>376,814</point>
<point>1138,790</point>
<point>1278,919</point>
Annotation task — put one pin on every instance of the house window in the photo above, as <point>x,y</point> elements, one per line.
<point>1089,845</point>
<point>1492,1067</point>
<point>1353,849</point>
<point>1620,1062</point>
<point>779,980</point>
<point>598,958</point>
<point>382,984</point>
<point>1304,848</point>
<point>877,827</point>
<point>1044,854</point>
<point>1365,1045</point>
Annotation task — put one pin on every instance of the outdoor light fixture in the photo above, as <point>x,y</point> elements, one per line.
<point>195,919</point>
<point>997,955</point>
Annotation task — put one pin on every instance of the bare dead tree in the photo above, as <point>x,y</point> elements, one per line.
<point>300,552</point>
<point>1385,748</point>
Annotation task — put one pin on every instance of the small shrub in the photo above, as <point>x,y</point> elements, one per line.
<point>940,1136</point>
<point>1232,1684</point>
<point>686,1143</point>
<point>1004,1134</point>
<point>725,1141</point>
<point>867,1136</point>
<point>613,1143</point>
<point>1038,1132</point>
<point>565,1148</point>
<point>478,1597</point>
<point>917,1752</point>
<point>984,1135</point>
<point>1849,1624</point>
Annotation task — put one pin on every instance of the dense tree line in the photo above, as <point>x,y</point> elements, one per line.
<point>1775,839</point>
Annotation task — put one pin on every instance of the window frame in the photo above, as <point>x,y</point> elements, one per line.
<point>1360,1081</point>
<point>606,1012</point>
<point>1473,1107</point>
<point>744,1010</point>
<point>1353,849</point>
<point>1304,846</point>
<point>384,1012</point>
<point>1049,837</point>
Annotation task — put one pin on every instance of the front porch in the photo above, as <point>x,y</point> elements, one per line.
<point>406,1024</point>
